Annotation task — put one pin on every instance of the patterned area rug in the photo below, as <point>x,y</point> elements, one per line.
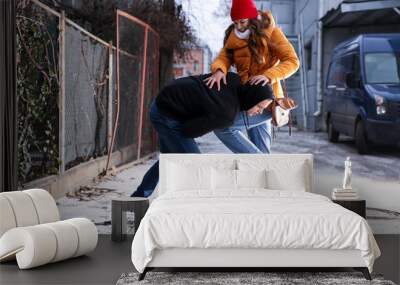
<point>242,278</point>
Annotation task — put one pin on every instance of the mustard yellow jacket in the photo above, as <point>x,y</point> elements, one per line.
<point>280,59</point>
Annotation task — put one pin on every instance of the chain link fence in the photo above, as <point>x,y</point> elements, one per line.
<point>86,97</point>
<point>75,91</point>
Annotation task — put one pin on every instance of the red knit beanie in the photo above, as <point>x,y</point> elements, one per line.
<point>243,9</point>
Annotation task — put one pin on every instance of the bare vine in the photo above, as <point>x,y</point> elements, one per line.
<point>98,86</point>
<point>37,93</point>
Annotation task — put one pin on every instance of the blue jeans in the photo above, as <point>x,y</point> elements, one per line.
<point>171,140</point>
<point>259,134</point>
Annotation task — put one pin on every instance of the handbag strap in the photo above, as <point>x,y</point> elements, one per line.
<point>285,95</point>
<point>284,89</point>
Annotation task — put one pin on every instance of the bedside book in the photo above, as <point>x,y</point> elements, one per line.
<point>345,198</point>
<point>344,194</point>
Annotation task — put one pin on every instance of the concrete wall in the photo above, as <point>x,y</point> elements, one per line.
<point>327,5</point>
<point>300,17</point>
<point>82,174</point>
<point>283,11</point>
<point>306,17</point>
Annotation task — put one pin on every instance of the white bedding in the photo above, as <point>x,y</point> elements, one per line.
<point>252,218</point>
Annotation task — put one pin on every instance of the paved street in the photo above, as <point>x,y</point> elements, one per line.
<point>381,168</point>
<point>383,164</point>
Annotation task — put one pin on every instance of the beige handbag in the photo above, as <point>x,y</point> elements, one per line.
<point>281,116</point>
<point>280,109</point>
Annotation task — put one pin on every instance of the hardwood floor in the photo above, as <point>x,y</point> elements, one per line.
<point>110,260</point>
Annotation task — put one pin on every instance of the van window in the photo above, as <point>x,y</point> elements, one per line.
<point>382,68</point>
<point>338,70</point>
<point>356,67</point>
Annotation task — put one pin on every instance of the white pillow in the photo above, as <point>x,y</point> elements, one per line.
<point>293,180</point>
<point>224,179</point>
<point>282,174</point>
<point>184,178</point>
<point>251,178</point>
<point>204,160</point>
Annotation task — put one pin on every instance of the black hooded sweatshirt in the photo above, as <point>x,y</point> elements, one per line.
<point>201,109</point>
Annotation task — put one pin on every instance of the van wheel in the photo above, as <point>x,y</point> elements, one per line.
<point>361,139</point>
<point>333,135</point>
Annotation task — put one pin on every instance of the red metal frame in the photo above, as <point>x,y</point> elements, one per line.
<point>141,117</point>
<point>156,89</point>
<point>136,20</point>
<point>142,91</point>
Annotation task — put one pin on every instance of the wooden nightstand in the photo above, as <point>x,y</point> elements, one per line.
<point>357,206</point>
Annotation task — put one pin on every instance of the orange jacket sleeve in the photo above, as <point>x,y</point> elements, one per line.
<point>223,62</point>
<point>288,61</point>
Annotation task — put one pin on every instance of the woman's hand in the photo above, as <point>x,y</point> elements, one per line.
<point>216,78</point>
<point>259,79</point>
<point>259,108</point>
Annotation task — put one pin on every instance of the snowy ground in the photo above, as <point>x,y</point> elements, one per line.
<point>376,176</point>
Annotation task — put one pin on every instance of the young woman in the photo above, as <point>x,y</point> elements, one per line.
<point>186,109</point>
<point>262,55</point>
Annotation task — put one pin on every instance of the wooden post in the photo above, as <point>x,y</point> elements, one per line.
<point>110,94</point>
<point>117,97</point>
<point>61,99</point>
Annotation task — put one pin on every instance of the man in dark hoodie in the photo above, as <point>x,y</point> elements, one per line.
<point>187,108</point>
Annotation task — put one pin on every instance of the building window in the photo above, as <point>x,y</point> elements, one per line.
<point>196,66</point>
<point>308,55</point>
<point>178,72</point>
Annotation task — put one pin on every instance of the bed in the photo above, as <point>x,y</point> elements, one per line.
<point>246,211</point>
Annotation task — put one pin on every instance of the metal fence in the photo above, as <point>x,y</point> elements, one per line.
<point>86,79</point>
<point>96,93</point>
<point>137,57</point>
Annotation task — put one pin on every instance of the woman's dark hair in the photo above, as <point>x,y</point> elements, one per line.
<point>256,34</point>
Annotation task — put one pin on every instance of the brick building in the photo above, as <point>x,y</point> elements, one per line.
<point>195,61</point>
